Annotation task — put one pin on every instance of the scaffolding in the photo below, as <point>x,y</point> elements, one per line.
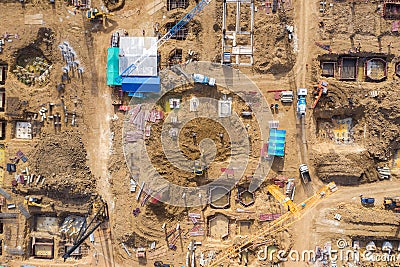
<point>174,4</point>
<point>391,9</point>
<point>237,43</point>
<point>175,57</point>
<point>180,34</point>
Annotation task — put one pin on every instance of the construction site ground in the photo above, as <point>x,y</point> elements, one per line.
<point>80,162</point>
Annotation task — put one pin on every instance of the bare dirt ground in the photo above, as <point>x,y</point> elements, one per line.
<point>358,221</point>
<point>81,161</point>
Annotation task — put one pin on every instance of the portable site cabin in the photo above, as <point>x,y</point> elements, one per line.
<point>144,78</point>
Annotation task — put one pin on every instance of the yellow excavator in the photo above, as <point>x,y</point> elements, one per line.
<point>94,14</point>
<point>33,201</point>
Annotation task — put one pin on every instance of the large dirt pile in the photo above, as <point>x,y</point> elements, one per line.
<point>344,166</point>
<point>274,54</point>
<point>363,222</point>
<point>61,160</point>
<point>204,129</point>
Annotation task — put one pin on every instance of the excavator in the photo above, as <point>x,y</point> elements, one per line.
<point>94,14</point>
<point>32,201</point>
<point>322,89</point>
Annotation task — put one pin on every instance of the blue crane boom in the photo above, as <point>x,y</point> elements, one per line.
<point>196,10</point>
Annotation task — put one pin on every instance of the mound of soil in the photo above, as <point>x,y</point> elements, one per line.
<point>61,159</point>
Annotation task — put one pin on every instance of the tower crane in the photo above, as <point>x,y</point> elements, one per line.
<point>197,9</point>
<point>99,211</point>
<point>280,224</point>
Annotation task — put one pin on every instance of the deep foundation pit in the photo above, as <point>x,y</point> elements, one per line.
<point>219,197</point>
<point>218,226</point>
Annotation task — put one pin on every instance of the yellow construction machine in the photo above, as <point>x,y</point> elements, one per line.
<point>33,201</point>
<point>283,222</point>
<point>94,14</point>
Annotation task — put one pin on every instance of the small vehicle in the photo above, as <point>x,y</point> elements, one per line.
<point>161,264</point>
<point>115,39</point>
<point>200,78</point>
<point>198,168</point>
<point>141,253</point>
<point>367,201</point>
<point>305,174</point>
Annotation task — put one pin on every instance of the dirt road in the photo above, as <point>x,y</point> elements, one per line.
<point>304,17</point>
<point>100,112</point>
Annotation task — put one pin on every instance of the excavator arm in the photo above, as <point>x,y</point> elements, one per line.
<point>320,90</point>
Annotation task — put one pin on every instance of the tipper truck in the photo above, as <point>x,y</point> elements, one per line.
<point>305,174</point>
<point>301,101</point>
<point>200,78</point>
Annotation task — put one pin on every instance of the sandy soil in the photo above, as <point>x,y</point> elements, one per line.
<point>81,161</point>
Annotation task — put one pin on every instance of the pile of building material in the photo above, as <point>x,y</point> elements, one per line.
<point>71,226</point>
<point>37,72</point>
<point>69,57</point>
<point>384,172</point>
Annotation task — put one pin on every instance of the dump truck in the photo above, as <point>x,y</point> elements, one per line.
<point>367,201</point>
<point>392,203</point>
<point>290,188</point>
<point>200,78</point>
<point>301,101</point>
<point>304,173</point>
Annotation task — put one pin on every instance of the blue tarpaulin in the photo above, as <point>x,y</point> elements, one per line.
<point>138,84</point>
<point>277,139</point>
